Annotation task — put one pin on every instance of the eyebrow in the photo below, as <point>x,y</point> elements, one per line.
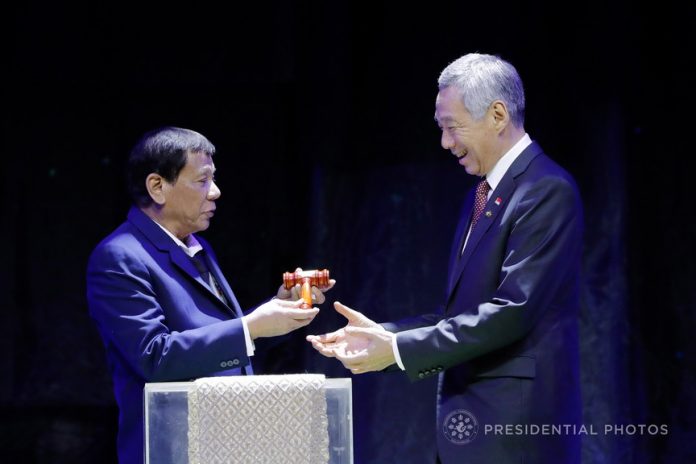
<point>207,170</point>
<point>444,120</point>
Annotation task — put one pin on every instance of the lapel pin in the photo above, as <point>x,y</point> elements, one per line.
<point>498,201</point>
<point>489,214</point>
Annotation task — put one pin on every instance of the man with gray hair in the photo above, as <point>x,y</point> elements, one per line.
<point>505,343</point>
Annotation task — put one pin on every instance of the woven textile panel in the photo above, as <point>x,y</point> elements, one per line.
<point>258,419</point>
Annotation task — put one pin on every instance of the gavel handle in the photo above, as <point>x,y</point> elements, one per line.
<point>306,293</point>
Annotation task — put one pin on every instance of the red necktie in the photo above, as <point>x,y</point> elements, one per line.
<point>480,200</point>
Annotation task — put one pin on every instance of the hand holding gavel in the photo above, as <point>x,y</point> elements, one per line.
<point>307,279</point>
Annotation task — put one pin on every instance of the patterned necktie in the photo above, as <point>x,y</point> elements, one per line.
<point>480,200</point>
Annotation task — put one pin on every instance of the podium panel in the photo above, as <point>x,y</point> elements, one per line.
<point>167,421</point>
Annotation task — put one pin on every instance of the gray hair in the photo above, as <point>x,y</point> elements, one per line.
<point>482,79</point>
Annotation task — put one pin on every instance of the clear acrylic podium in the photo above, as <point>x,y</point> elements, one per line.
<point>166,421</point>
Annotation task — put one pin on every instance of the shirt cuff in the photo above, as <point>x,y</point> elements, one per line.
<point>247,338</point>
<point>397,356</point>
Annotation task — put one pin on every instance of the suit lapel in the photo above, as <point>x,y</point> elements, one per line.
<point>458,242</point>
<point>225,287</point>
<point>479,230</point>
<point>180,259</point>
<point>490,213</point>
<point>495,204</point>
<point>184,262</point>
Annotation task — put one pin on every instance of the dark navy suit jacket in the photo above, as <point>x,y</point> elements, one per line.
<point>506,344</point>
<point>158,318</point>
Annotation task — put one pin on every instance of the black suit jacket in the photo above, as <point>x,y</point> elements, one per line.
<point>506,344</point>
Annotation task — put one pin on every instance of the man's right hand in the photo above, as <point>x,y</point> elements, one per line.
<point>340,341</point>
<point>361,346</point>
<point>278,317</point>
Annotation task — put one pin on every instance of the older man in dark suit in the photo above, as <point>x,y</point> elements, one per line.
<point>156,293</point>
<point>505,345</point>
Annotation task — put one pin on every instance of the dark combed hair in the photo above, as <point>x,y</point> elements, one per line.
<point>163,151</point>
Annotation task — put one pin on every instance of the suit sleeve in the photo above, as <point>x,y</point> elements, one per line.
<point>125,307</point>
<point>541,255</point>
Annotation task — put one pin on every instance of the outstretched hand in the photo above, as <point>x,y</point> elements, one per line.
<point>362,345</point>
<point>328,343</point>
<point>278,317</point>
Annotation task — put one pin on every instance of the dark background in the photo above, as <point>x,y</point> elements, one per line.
<point>328,156</point>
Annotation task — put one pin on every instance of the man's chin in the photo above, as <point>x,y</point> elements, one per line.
<point>202,225</point>
<point>470,170</point>
<point>463,162</point>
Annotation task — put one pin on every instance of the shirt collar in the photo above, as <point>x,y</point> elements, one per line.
<point>191,248</point>
<point>495,176</point>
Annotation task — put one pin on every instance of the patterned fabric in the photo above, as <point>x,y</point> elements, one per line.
<point>258,419</point>
<point>480,200</point>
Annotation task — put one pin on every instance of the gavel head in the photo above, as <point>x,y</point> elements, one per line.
<point>307,279</point>
<point>317,278</point>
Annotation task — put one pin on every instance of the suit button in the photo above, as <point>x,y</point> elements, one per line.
<point>421,375</point>
<point>234,363</point>
<point>439,368</point>
<point>223,364</point>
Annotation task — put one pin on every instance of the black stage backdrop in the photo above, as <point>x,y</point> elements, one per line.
<point>328,156</point>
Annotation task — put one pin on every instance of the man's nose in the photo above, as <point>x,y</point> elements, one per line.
<point>214,192</point>
<point>446,141</point>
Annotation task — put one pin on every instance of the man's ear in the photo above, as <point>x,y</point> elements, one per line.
<point>499,115</point>
<point>155,185</point>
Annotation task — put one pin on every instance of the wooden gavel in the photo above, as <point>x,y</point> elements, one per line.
<point>317,277</point>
